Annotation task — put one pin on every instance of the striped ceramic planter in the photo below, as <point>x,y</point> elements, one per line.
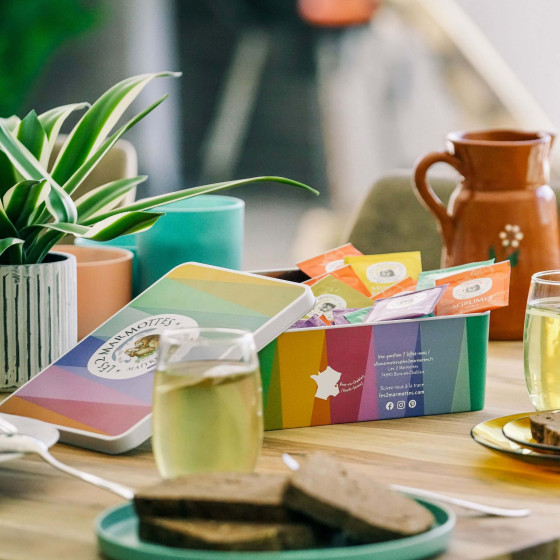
<point>38,317</point>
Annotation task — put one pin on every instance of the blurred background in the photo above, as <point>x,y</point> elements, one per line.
<point>276,87</point>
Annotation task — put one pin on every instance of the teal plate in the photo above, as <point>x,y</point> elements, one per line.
<point>117,535</point>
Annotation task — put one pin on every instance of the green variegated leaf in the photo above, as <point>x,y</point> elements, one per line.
<point>7,228</point>
<point>90,133</point>
<point>8,242</point>
<point>68,228</point>
<point>11,123</point>
<point>105,197</point>
<point>21,158</point>
<point>154,201</point>
<point>84,170</point>
<point>60,205</point>
<point>52,122</point>
<point>122,224</point>
<point>22,200</point>
<point>32,135</point>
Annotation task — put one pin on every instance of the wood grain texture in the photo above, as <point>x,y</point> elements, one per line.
<point>46,514</point>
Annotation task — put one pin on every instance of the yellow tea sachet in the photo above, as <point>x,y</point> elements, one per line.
<point>475,290</point>
<point>344,273</point>
<point>328,261</point>
<point>404,286</point>
<point>379,272</point>
<point>332,293</point>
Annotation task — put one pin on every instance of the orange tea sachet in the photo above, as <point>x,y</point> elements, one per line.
<point>475,290</point>
<point>404,286</point>
<point>328,261</point>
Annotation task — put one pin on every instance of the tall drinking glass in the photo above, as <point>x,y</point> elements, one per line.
<point>541,340</point>
<point>207,406</point>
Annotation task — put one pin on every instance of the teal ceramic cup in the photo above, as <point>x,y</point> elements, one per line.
<point>123,242</point>
<point>206,229</point>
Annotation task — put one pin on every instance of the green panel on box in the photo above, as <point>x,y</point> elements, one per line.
<point>273,418</point>
<point>462,394</point>
<point>477,336</point>
<point>266,359</point>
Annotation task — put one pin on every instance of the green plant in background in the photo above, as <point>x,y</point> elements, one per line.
<point>30,33</point>
<point>36,204</point>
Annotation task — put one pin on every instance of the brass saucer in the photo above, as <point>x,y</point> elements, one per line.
<point>490,435</point>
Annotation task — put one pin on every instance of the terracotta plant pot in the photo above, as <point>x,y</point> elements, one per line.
<point>104,283</point>
<point>37,316</point>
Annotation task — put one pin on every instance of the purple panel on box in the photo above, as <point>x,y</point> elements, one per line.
<point>396,362</point>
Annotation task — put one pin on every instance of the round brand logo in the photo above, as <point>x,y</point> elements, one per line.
<point>334,265</point>
<point>134,350</point>
<point>406,301</point>
<point>386,272</point>
<point>326,303</point>
<point>472,288</point>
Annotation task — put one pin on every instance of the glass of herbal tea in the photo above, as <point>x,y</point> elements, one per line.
<point>207,406</point>
<point>541,340</point>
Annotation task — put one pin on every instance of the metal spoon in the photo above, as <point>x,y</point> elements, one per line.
<point>12,441</point>
<point>292,464</point>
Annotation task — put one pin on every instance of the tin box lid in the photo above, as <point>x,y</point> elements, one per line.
<point>99,394</point>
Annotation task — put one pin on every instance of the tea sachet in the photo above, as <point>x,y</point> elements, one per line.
<point>427,279</point>
<point>406,306</point>
<point>403,287</point>
<point>379,272</point>
<point>475,291</point>
<point>313,321</point>
<point>339,316</point>
<point>328,261</point>
<point>357,316</point>
<point>344,273</point>
<point>332,293</point>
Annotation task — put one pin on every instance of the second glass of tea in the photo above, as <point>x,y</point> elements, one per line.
<point>207,406</point>
<point>541,340</point>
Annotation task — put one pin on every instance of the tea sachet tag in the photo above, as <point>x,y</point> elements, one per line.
<point>406,306</point>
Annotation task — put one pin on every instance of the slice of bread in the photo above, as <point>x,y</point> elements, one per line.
<point>216,535</point>
<point>327,492</point>
<point>545,427</point>
<point>217,496</point>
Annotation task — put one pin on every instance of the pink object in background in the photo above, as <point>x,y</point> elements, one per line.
<point>337,13</point>
<point>104,283</point>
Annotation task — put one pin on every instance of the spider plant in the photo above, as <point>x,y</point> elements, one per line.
<point>36,204</point>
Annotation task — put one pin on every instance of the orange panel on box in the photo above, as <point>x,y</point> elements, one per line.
<point>301,354</point>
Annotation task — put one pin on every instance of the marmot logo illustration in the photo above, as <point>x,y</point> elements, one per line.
<point>144,347</point>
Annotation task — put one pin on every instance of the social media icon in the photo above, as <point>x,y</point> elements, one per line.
<point>401,405</point>
<point>411,403</point>
<point>389,406</point>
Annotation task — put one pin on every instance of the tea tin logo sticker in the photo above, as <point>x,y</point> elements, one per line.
<point>133,351</point>
<point>475,287</point>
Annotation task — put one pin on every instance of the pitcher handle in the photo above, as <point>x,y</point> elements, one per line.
<point>429,197</point>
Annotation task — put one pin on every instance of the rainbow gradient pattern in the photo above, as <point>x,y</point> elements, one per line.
<point>393,370</point>
<point>68,395</point>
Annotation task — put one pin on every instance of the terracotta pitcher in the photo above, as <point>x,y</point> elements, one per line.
<point>502,208</point>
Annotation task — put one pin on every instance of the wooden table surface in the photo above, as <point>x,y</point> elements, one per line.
<point>45,514</point>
